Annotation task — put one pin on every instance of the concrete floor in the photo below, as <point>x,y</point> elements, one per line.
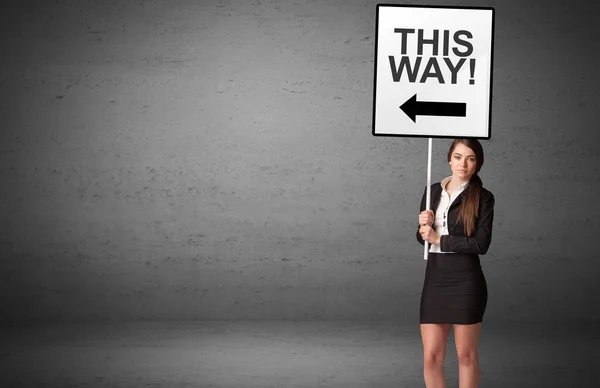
<point>283,354</point>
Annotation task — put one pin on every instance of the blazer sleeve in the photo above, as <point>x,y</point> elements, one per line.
<point>423,200</point>
<point>480,241</point>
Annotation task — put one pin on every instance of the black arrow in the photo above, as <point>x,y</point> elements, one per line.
<point>412,108</point>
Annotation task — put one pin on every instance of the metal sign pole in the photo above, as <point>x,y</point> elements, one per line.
<point>428,197</point>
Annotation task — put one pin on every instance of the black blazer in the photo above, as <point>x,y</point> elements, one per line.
<point>455,240</point>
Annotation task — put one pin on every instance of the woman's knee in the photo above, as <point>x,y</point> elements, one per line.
<point>467,357</point>
<point>433,360</point>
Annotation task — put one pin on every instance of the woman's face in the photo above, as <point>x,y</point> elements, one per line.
<point>463,162</point>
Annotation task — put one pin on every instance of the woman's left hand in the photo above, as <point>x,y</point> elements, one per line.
<point>428,234</point>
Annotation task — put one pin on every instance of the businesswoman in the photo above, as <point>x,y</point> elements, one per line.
<point>459,229</point>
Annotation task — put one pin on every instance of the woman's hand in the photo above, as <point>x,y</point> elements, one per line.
<point>429,235</point>
<point>426,230</point>
<point>426,218</point>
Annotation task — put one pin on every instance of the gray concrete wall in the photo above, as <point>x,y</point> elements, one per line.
<point>214,160</point>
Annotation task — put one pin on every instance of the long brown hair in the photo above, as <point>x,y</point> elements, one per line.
<point>469,208</point>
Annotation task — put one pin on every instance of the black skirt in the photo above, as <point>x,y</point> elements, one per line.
<point>454,290</point>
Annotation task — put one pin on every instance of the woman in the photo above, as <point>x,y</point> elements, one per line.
<point>455,290</point>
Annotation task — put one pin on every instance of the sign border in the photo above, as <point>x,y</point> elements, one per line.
<point>375,69</point>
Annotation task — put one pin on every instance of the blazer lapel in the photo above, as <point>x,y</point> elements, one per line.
<point>436,196</point>
<point>458,200</point>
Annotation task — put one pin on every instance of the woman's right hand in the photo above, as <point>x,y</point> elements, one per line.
<point>426,218</point>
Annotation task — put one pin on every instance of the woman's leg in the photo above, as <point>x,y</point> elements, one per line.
<point>435,337</point>
<point>467,340</point>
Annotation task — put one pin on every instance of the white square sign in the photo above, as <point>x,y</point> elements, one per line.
<point>433,71</point>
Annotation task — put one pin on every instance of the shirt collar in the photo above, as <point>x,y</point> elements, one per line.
<point>448,179</point>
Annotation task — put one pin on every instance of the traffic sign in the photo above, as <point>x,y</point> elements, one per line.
<point>433,71</point>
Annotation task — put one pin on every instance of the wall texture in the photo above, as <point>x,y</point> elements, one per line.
<point>214,160</point>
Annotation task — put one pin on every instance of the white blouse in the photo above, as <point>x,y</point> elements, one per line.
<point>440,225</point>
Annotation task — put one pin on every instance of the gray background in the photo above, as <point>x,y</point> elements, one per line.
<point>214,160</point>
